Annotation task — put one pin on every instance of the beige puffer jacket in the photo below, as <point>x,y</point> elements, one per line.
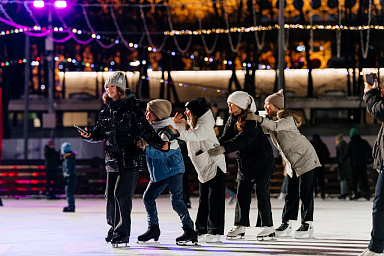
<point>294,147</point>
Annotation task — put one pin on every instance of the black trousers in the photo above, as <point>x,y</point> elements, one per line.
<point>119,193</point>
<point>50,182</point>
<point>320,181</point>
<point>360,172</point>
<point>211,212</point>
<point>244,196</point>
<point>299,188</point>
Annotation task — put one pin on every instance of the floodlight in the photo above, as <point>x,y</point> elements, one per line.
<point>38,4</point>
<point>60,4</point>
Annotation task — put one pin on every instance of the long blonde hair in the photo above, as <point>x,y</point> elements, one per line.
<point>107,99</point>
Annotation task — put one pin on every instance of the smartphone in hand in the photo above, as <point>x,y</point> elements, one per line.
<point>370,78</point>
<point>81,129</point>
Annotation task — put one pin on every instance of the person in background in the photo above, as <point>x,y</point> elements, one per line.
<point>359,152</point>
<point>282,126</point>
<point>344,168</point>
<point>166,170</point>
<point>373,96</point>
<point>284,185</point>
<point>198,132</point>
<point>70,176</point>
<point>51,161</point>
<point>255,164</point>
<point>323,154</point>
<point>121,124</point>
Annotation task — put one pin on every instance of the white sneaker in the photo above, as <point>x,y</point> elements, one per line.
<point>368,252</point>
<point>209,238</point>
<point>285,229</point>
<point>267,232</point>
<point>236,231</point>
<point>305,230</point>
<point>281,196</point>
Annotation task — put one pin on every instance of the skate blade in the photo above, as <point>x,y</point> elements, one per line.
<point>187,243</point>
<point>153,243</point>
<point>268,237</point>
<point>240,236</point>
<point>120,245</point>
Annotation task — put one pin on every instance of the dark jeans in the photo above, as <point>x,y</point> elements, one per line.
<point>360,172</point>
<point>299,188</point>
<point>175,186</point>
<point>377,234</point>
<point>70,189</point>
<point>244,195</point>
<point>320,181</point>
<point>50,182</point>
<point>211,212</point>
<point>119,193</point>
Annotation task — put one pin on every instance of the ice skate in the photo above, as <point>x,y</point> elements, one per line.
<point>305,230</point>
<point>268,232</point>
<point>285,229</point>
<point>69,209</point>
<point>368,252</point>
<point>109,236</point>
<point>153,232</point>
<point>118,240</point>
<point>237,232</point>
<point>209,238</point>
<point>188,238</point>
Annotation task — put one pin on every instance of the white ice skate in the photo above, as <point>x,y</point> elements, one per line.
<point>305,230</point>
<point>209,238</point>
<point>268,232</point>
<point>368,252</point>
<point>236,232</point>
<point>285,229</point>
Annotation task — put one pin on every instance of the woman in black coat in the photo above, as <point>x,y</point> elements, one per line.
<point>255,163</point>
<point>121,124</point>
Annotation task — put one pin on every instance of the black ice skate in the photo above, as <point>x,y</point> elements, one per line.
<point>109,236</point>
<point>188,238</point>
<point>153,232</point>
<point>119,239</point>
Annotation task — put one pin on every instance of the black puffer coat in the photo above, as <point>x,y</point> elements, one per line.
<point>121,124</point>
<point>255,156</point>
<point>375,106</point>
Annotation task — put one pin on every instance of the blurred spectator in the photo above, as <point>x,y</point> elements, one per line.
<point>70,177</point>
<point>344,168</point>
<point>359,151</point>
<point>51,161</point>
<point>323,154</point>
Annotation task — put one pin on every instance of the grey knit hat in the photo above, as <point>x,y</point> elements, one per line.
<point>161,108</point>
<point>117,79</point>
<point>276,99</point>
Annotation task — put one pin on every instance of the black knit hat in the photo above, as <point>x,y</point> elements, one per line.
<point>198,106</point>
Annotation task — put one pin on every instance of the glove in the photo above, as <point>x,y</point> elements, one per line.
<point>216,151</point>
<point>258,118</point>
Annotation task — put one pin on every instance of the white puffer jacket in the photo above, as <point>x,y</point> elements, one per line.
<point>202,138</point>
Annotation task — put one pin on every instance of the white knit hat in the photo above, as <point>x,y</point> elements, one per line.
<point>242,100</point>
<point>117,79</point>
<point>161,108</point>
<point>276,99</point>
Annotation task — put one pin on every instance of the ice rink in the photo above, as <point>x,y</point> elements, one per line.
<point>32,226</point>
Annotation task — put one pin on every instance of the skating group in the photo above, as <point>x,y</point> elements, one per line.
<point>134,140</point>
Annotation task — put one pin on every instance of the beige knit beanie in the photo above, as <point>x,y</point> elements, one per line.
<point>117,79</point>
<point>276,99</point>
<point>161,108</point>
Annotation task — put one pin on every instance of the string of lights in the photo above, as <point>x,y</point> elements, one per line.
<point>209,51</point>
<point>365,51</point>
<point>259,45</point>
<point>233,49</point>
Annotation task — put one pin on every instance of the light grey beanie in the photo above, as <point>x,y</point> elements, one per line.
<point>117,79</point>
<point>161,108</point>
<point>242,100</point>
